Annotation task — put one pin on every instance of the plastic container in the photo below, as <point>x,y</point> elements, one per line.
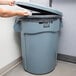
<point>39,40</point>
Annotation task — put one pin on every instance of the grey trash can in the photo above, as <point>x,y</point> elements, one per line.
<point>39,38</point>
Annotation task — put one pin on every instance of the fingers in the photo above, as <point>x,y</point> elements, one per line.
<point>22,13</point>
<point>12,2</point>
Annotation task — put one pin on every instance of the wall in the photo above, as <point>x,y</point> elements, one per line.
<point>9,45</point>
<point>67,43</point>
<point>68,35</point>
<point>9,41</point>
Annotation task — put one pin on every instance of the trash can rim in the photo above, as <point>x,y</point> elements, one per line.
<point>38,8</point>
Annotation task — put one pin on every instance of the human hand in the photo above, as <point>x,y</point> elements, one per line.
<point>11,13</point>
<point>21,13</point>
<point>11,2</point>
<point>7,2</point>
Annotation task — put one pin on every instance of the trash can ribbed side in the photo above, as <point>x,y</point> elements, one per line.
<point>39,40</point>
<point>39,37</point>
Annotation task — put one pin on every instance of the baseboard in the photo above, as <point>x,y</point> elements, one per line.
<point>13,64</point>
<point>66,58</point>
<point>10,66</point>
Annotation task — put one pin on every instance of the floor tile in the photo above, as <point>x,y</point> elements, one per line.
<point>62,69</point>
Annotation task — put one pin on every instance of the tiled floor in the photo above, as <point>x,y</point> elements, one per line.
<point>62,69</point>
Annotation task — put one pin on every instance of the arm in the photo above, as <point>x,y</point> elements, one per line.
<point>7,2</point>
<point>10,13</point>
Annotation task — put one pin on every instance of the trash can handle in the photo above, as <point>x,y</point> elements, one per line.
<point>61,22</point>
<point>17,25</point>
